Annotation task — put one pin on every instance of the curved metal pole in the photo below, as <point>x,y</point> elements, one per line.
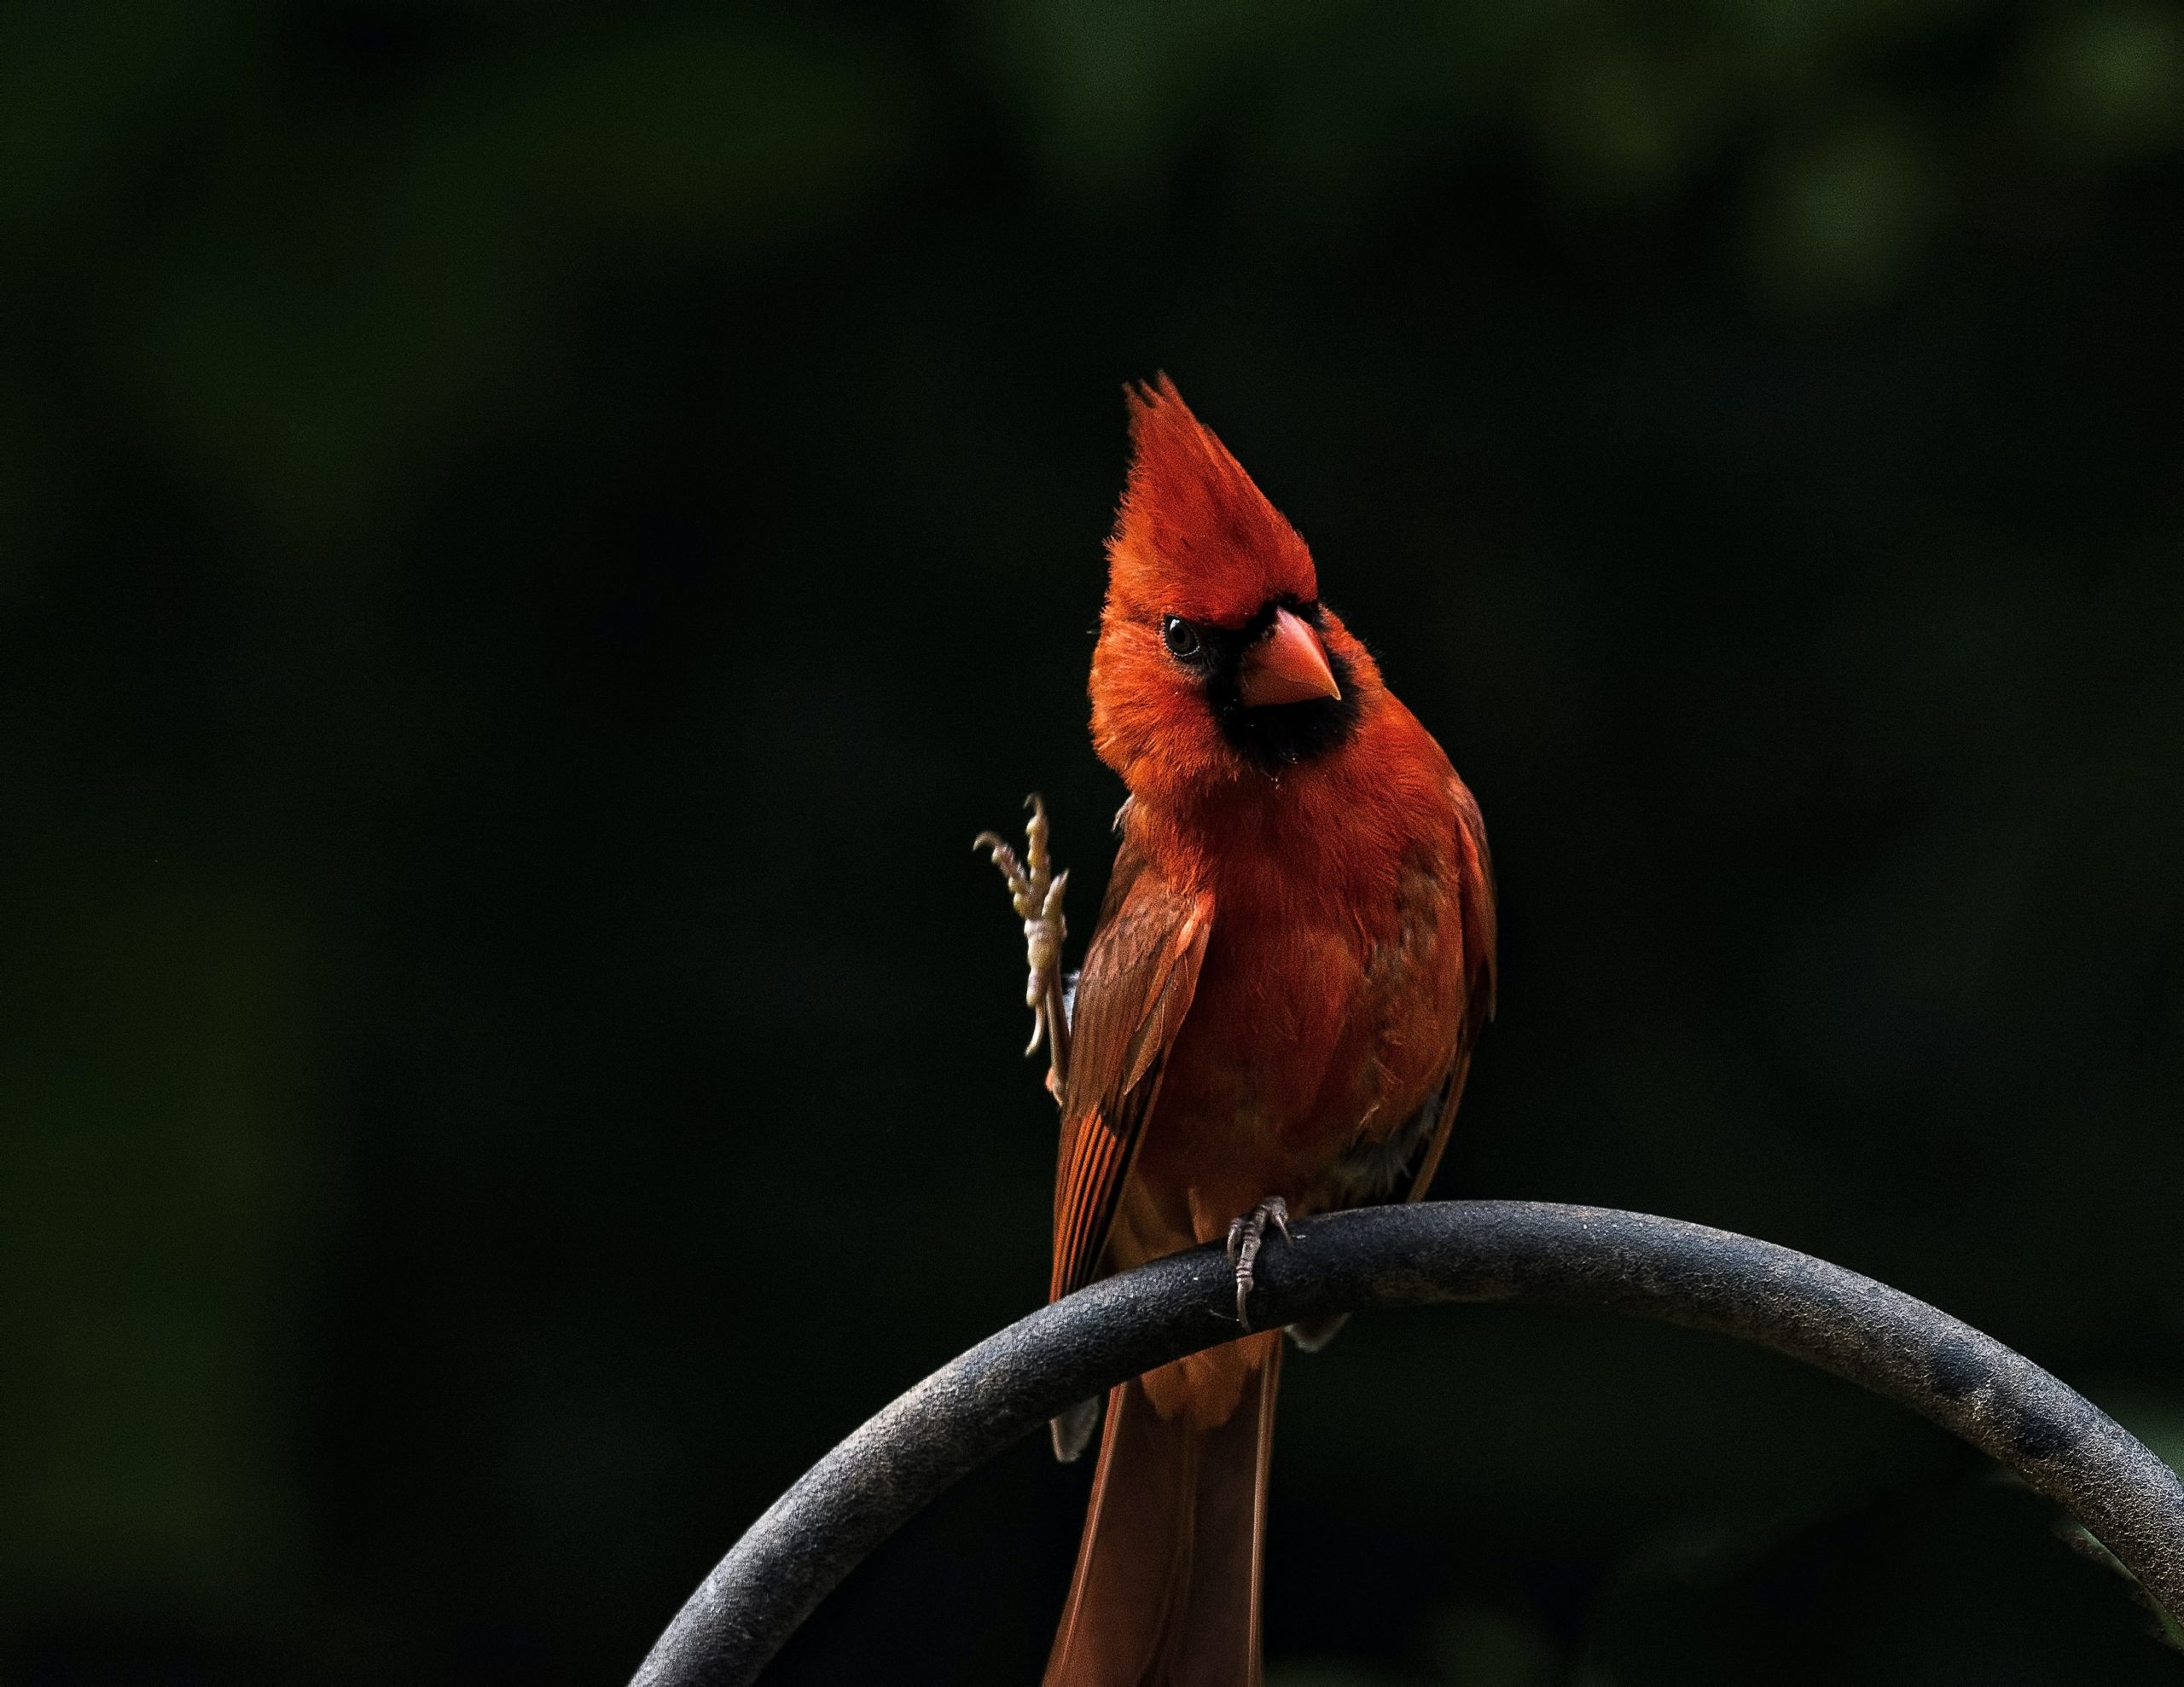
<point>1009,1384</point>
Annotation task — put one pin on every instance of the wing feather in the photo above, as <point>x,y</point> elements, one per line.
<point>1131,998</point>
<point>1480,925</point>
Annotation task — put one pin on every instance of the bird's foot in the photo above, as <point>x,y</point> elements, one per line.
<point>1035,891</point>
<point>1246,1235</point>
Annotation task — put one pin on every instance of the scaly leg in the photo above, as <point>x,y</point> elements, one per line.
<point>1036,890</point>
<point>1246,1237</point>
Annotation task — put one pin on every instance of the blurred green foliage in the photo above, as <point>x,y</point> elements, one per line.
<point>531,537</point>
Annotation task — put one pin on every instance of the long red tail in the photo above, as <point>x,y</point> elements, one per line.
<point>1166,1592</point>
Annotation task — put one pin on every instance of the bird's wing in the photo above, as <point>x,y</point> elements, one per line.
<point>1137,986</point>
<point>1475,908</point>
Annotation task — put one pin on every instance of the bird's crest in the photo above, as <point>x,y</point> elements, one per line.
<point>1195,537</point>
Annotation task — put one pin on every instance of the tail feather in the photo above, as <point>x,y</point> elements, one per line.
<point>1166,1592</point>
<point>1073,1430</point>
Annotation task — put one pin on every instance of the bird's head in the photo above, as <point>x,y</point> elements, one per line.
<point>1216,661</point>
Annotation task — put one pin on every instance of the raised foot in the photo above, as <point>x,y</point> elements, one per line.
<point>1246,1235</point>
<point>1035,891</point>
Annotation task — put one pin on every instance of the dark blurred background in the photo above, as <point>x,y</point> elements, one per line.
<point>530,541</point>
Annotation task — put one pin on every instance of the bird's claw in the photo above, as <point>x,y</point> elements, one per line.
<point>1035,890</point>
<point>1246,1235</point>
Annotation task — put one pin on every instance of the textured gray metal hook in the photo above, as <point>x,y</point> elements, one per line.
<point>1468,1251</point>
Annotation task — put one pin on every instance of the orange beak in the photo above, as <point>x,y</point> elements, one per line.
<point>1286,665</point>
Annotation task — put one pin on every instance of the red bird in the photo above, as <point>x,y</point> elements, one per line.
<point>1291,965</point>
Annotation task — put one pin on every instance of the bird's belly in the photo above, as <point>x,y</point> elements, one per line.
<point>1290,1054</point>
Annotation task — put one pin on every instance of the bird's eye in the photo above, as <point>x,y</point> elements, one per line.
<point>1181,637</point>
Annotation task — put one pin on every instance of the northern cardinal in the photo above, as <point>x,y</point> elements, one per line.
<point>1275,1016</point>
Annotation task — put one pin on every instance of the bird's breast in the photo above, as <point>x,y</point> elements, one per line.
<point>1324,1013</point>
